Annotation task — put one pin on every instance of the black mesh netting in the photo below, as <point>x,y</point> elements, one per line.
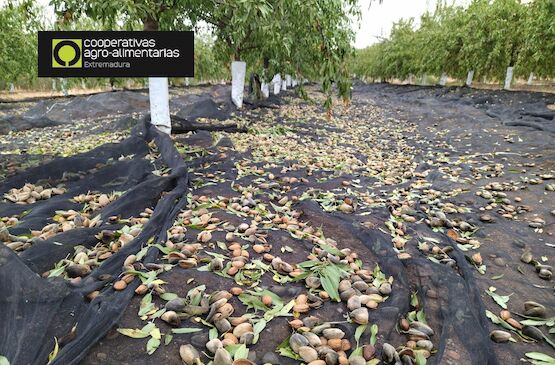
<point>34,311</point>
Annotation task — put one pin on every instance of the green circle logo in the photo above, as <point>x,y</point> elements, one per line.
<point>67,53</point>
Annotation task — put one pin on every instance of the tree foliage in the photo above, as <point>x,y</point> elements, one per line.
<point>487,37</point>
<point>304,38</point>
<point>538,50</point>
<point>208,65</point>
<point>18,42</point>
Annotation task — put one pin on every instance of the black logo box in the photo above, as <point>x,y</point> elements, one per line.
<point>182,66</point>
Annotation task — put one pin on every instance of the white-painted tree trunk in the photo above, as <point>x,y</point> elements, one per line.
<point>508,78</point>
<point>238,72</point>
<point>423,79</point>
<point>283,85</point>
<point>83,85</point>
<point>159,103</point>
<point>288,80</point>
<point>63,83</point>
<point>443,79</point>
<point>54,85</point>
<point>531,78</point>
<point>294,82</point>
<point>12,87</point>
<point>276,81</point>
<point>187,81</point>
<point>265,89</point>
<point>469,78</point>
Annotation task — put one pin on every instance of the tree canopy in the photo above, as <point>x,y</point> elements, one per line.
<point>303,38</point>
<point>18,42</point>
<point>487,37</point>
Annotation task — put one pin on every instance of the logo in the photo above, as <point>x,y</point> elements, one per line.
<point>67,53</point>
<point>115,54</point>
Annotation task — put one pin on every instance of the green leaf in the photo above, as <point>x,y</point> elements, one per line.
<point>158,313</point>
<point>276,300</point>
<point>501,300</point>
<point>308,264</point>
<point>545,359</point>
<point>497,320</point>
<point>282,311</point>
<point>57,271</point>
<point>420,359</point>
<point>155,333</point>
<point>373,334</point>
<point>213,333</point>
<point>356,352</point>
<point>332,250</point>
<point>421,316</point>
<point>149,327</point>
<point>54,352</point>
<point>330,278</point>
<point>258,328</point>
<point>241,353</point>
<point>359,331</point>
<point>285,350</point>
<point>133,332</point>
<point>163,249</point>
<point>330,288</point>
<point>152,345</point>
<point>141,253</point>
<point>185,330</point>
<point>167,339</point>
<point>168,296</point>
<point>146,305</point>
<point>238,351</point>
<point>414,300</point>
<point>533,322</point>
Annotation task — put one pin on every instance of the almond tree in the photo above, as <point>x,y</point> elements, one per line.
<point>148,15</point>
<point>18,42</point>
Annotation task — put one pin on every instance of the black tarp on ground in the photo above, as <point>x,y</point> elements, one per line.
<point>511,108</point>
<point>213,104</point>
<point>457,313</point>
<point>35,310</point>
<point>50,112</point>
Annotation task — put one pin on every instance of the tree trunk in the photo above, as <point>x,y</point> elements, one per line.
<point>238,72</point>
<point>443,79</point>
<point>158,91</point>
<point>276,82</point>
<point>150,24</point>
<point>531,78</point>
<point>469,78</point>
<point>265,86</point>
<point>508,78</point>
<point>265,90</point>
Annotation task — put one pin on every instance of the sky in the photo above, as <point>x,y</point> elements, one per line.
<point>378,19</point>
